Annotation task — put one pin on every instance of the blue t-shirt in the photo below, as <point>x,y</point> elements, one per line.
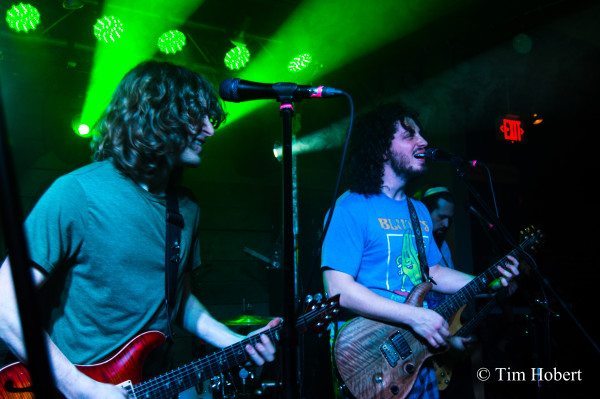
<point>371,238</point>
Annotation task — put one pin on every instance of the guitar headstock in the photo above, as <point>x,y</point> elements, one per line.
<point>531,238</point>
<point>320,311</point>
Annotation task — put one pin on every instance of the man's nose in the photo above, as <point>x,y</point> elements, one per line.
<point>208,128</point>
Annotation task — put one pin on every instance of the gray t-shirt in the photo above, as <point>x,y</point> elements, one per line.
<point>109,234</point>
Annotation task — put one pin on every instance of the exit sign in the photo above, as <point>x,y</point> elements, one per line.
<point>512,129</point>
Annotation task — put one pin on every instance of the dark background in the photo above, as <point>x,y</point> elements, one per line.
<point>463,72</point>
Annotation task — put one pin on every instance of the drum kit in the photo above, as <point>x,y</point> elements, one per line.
<point>237,384</point>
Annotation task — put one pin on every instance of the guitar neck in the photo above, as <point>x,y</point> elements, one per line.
<point>171,383</point>
<point>450,306</point>
<point>468,327</point>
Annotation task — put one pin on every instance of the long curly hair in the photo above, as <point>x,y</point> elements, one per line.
<point>371,141</point>
<point>150,117</point>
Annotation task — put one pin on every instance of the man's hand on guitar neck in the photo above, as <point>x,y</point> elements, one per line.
<point>509,271</point>
<point>264,350</point>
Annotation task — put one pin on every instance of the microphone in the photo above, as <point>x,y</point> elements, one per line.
<point>439,155</point>
<point>238,90</point>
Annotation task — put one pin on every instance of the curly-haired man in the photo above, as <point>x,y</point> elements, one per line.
<point>370,254</point>
<point>104,226</point>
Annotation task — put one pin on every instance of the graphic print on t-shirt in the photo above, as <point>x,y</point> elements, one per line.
<point>403,259</point>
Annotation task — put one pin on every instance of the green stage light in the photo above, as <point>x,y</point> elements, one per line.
<point>83,129</point>
<point>237,57</point>
<point>79,128</point>
<point>171,42</point>
<point>108,29</point>
<point>352,29</point>
<point>22,17</point>
<point>300,63</point>
<point>145,21</point>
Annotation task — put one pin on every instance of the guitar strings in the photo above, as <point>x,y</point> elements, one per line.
<point>161,384</point>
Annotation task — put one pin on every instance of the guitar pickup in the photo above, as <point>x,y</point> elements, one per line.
<point>390,353</point>
<point>402,347</point>
<point>127,386</point>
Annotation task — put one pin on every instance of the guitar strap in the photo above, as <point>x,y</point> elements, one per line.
<point>174,226</point>
<point>414,220</point>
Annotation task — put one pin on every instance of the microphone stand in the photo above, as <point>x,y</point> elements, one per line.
<point>290,339</point>
<point>459,168</point>
<point>42,384</point>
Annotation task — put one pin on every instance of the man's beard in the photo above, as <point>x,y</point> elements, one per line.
<point>400,164</point>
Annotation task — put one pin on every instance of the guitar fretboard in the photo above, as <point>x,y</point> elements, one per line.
<point>171,383</point>
<point>450,306</point>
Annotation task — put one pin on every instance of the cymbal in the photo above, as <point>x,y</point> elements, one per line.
<point>247,320</point>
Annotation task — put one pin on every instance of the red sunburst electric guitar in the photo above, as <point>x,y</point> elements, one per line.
<point>125,367</point>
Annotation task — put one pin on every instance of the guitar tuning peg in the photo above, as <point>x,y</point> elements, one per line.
<point>318,297</point>
<point>308,299</point>
<point>319,324</point>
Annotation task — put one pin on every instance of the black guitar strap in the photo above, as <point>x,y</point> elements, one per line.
<point>172,252</point>
<point>414,220</point>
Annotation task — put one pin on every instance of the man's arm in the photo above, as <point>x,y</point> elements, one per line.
<point>198,321</point>
<point>359,299</point>
<point>70,381</point>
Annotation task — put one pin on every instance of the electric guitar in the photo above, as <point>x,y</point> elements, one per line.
<point>379,360</point>
<point>125,367</point>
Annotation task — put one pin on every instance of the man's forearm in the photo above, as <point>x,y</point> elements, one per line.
<point>360,300</point>
<point>198,321</point>
<point>68,378</point>
<point>448,280</point>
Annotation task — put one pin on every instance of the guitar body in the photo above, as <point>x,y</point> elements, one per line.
<point>381,361</point>
<point>361,361</point>
<point>15,381</point>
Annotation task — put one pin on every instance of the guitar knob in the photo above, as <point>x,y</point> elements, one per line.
<point>409,368</point>
<point>395,390</point>
<point>378,378</point>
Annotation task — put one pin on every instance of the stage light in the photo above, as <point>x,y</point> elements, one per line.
<point>143,21</point>
<point>79,128</point>
<point>108,29</point>
<point>536,119</point>
<point>237,58</point>
<point>83,129</point>
<point>22,17</point>
<point>171,42</point>
<point>300,62</point>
